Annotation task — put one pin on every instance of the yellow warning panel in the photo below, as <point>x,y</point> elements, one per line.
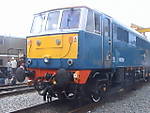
<point>53,46</point>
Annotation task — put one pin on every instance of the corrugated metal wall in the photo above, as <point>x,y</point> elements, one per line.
<point>11,46</point>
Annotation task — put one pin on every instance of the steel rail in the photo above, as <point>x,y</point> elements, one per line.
<point>18,84</point>
<point>7,88</point>
<point>16,90</point>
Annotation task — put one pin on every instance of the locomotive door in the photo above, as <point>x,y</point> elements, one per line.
<point>107,43</point>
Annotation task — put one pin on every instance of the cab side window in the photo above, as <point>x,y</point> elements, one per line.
<point>90,21</point>
<point>97,19</point>
<point>93,22</point>
<point>122,35</point>
<point>106,27</point>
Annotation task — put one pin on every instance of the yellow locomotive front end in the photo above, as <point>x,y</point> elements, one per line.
<point>53,63</point>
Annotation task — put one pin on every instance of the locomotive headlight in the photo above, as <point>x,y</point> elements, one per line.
<point>46,60</point>
<point>29,61</point>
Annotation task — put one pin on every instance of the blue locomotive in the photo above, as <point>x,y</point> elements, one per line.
<point>78,52</point>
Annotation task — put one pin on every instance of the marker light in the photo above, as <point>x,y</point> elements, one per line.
<point>70,62</point>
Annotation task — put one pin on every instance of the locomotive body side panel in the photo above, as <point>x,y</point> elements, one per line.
<point>129,48</point>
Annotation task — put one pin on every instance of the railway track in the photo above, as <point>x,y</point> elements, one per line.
<point>7,90</point>
<point>53,107</point>
<point>59,107</point>
<point>67,107</point>
<point>12,85</point>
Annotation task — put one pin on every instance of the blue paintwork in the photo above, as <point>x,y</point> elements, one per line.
<point>91,54</point>
<point>132,53</point>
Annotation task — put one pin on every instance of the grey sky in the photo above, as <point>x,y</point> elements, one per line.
<point>16,15</point>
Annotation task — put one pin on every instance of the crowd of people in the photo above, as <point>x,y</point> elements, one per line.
<point>12,65</point>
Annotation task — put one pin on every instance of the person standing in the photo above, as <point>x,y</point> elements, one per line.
<point>13,65</point>
<point>8,65</point>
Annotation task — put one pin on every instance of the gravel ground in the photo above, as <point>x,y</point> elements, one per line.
<point>13,103</point>
<point>135,101</point>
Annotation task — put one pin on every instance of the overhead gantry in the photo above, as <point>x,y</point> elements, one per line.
<point>140,29</point>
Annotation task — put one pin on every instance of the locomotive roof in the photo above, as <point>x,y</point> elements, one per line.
<point>73,7</point>
<point>113,20</point>
<point>63,8</point>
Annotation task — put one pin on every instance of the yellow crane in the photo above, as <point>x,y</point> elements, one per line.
<point>140,29</point>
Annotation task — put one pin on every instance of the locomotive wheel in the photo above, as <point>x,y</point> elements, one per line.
<point>95,97</point>
<point>47,97</point>
<point>97,91</point>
